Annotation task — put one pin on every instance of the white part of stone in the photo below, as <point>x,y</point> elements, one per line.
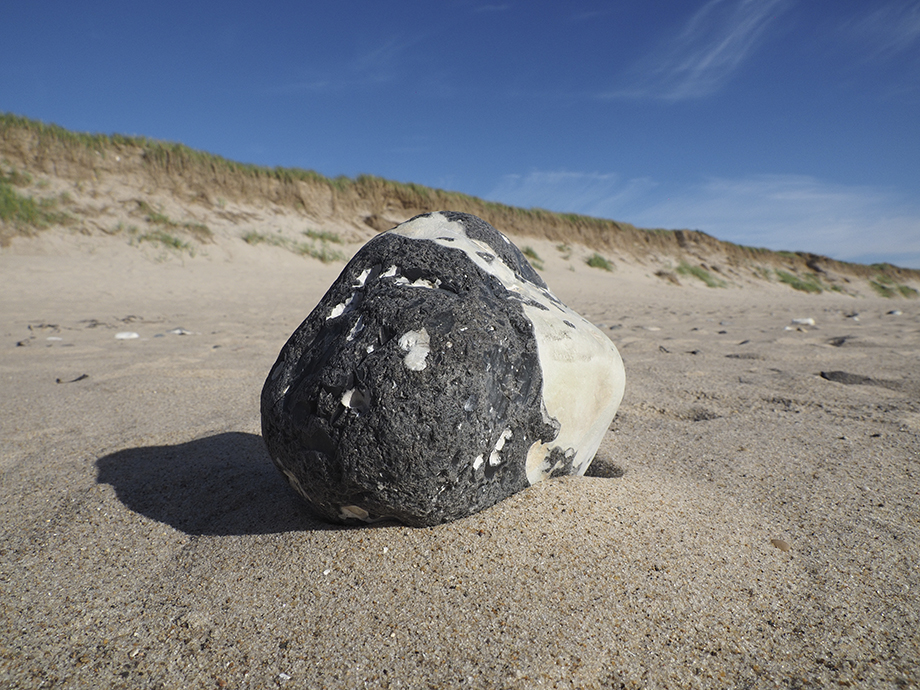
<point>417,345</point>
<point>390,272</point>
<point>126,335</point>
<point>591,363</point>
<point>495,457</point>
<point>356,399</point>
<point>357,328</point>
<point>419,283</point>
<point>583,377</point>
<point>361,279</point>
<point>293,481</point>
<point>353,513</point>
<point>341,307</point>
<point>477,463</point>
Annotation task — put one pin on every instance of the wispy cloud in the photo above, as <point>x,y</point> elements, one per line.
<point>798,213</point>
<point>793,212</point>
<point>376,65</point>
<point>596,194</point>
<point>590,15</point>
<point>704,55</point>
<point>380,63</point>
<point>889,30</point>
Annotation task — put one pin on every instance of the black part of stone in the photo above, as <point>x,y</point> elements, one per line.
<point>406,449</point>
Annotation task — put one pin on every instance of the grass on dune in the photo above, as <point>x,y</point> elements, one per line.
<point>598,261</point>
<point>808,283</point>
<point>886,286</point>
<point>322,251</point>
<point>199,231</point>
<point>25,215</point>
<point>700,273</point>
<point>533,257</point>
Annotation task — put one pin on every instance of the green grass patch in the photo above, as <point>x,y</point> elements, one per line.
<point>598,261</point>
<point>761,272</point>
<point>164,239</point>
<point>122,228</point>
<point>199,231</point>
<point>534,258</point>
<point>807,283</point>
<point>323,236</point>
<point>18,209</point>
<point>160,219</point>
<point>700,273</point>
<point>24,214</point>
<point>667,275</point>
<point>16,178</point>
<point>255,238</point>
<point>322,252</point>
<point>882,290</point>
<point>885,286</point>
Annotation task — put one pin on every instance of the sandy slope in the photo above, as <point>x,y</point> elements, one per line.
<point>755,524</point>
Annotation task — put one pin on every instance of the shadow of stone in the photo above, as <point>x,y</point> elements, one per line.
<point>603,467</point>
<point>220,485</point>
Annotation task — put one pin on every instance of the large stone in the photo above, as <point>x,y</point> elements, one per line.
<point>437,376</point>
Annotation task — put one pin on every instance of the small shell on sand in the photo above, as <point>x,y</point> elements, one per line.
<point>781,544</point>
<point>126,335</point>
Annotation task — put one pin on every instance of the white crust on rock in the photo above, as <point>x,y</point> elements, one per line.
<point>583,374</point>
<point>417,345</point>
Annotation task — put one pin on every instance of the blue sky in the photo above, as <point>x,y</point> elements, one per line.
<point>787,124</point>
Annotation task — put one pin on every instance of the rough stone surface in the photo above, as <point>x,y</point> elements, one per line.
<point>437,376</point>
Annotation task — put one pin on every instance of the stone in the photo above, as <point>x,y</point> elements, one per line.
<point>436,377</point>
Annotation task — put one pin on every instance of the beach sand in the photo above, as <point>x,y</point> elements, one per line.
<point>749,523</point>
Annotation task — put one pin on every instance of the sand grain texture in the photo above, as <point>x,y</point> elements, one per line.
<point>147,541</point>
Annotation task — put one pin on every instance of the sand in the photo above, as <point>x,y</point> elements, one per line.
<point>750,523</point>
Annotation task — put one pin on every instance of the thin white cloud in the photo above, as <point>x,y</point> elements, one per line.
<point>590,15</point>
<point>595,194</point>
<point>380,63</point>
<point>888,30</point>
<point>300,86</point>
<point>376,65</point>
<point>791,212</point>
<point>704,55</point>
<point>797,213</point>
